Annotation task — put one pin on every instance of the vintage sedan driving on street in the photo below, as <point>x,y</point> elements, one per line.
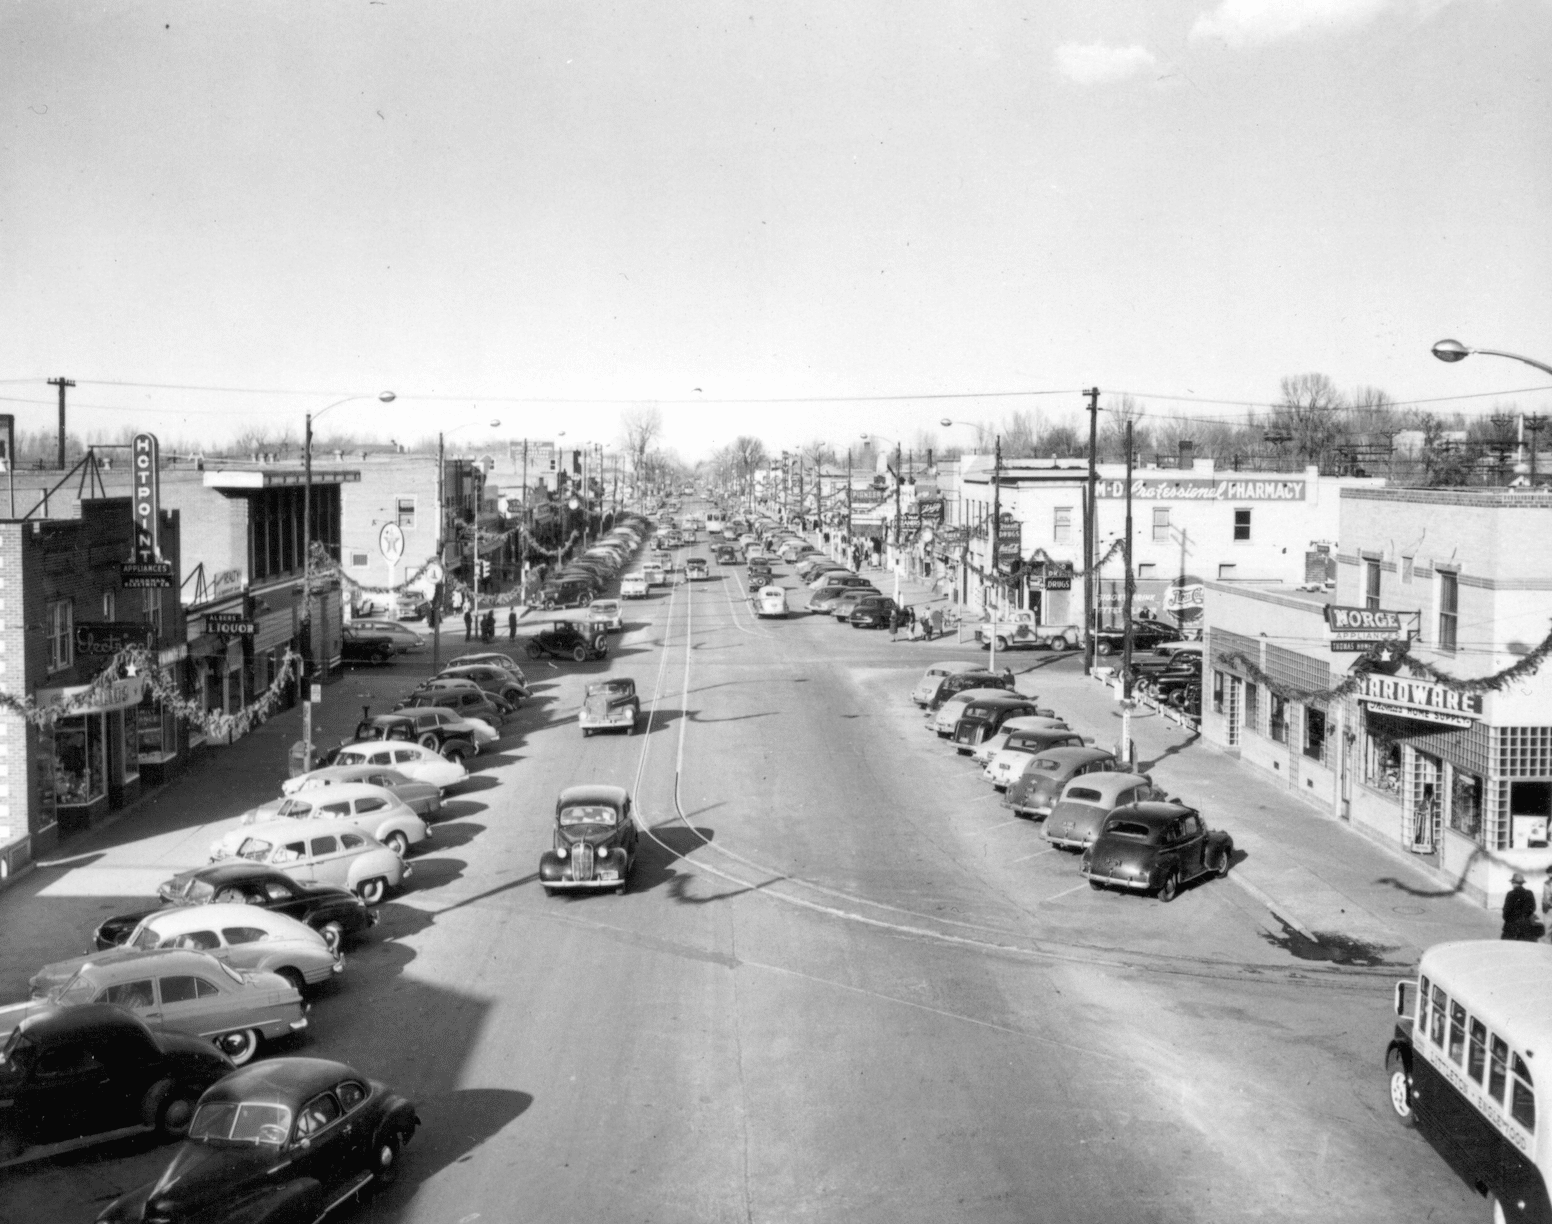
<point>335,913</point>
<point>373,809</point>
<point>185,992</point>
<point>985,716</point>
<point>364,646</point>
<point>1036,792</point>
<point>244,936</point>
<point>404,638</point>
<point>1086,801</point>
<point>1008,766</point>
<point>286,1140</point>
<point>696,569</point>
<point>562,639</point>
<point>72,1076</point>
<point>414,761</point>
<point>422,798</point>
<point>634,585</point>
<point>770,601</point>
<point>325,852</point>
<point>1155,847</point>
<point>609,705</point>
<point>595,841</point>
<point>606,615</point>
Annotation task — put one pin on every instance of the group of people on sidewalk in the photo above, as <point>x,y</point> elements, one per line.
<point>1519,909</point>
<point>917,628</point>
<point>488,625</point>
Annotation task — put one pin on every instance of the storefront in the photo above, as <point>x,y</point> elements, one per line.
<point>161,737</point>
<point>89,762</point>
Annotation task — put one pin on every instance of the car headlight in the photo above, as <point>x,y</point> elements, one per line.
<point>560,851</point>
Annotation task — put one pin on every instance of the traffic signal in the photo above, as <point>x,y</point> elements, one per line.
<point>484,568</point>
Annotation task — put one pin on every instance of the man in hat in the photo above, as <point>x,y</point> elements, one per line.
<point>1519,912</point>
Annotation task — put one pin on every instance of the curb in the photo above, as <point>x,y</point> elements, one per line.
<point>1273,907</point>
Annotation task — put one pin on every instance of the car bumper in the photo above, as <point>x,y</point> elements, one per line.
<point>606,724</point>
<point>1131,883</point>
<point>1066,842</point>
<point>614,880</point>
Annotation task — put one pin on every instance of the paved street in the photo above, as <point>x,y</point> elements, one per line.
<point>844,984</point>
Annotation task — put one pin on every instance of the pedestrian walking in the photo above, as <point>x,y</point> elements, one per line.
<point>512,624</point>
<point>894,624</point>
<point>488,628</point>
<point>1519,911</point>
<point>935,629</point>
<point>468,624</point>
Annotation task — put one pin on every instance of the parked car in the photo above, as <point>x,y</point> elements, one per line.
<point>1038,788</point>
<point>459,696</point>
<point>244,936</point>
<point>1155,847</point>
<point>635,585</point>
<point>412,605</point>
<point>1162,657</point>
<point>1020,752</point>
<point>609,705</point>
<point>952,685</point>
<point>727,554</point>
<point>489,678</point>
<point>335,913</point>
<point>1146,634</point>
<point>867,611</point>
<point>288,1140</point>
<point>326,852</point>
<point>573,592</point>
<point>182,991</point>
<point>566,639</point>
<point>451,738</point>
<point>770,601</point>
<point>825,602</point>
<point>490,658</point>
<point>405,640</point>
<point>374,809</point>
<point>1086,801</point>
<point>422,798</point>
<point>696,569</point>
<point>359,646</point>
<point>594,841</point>
<point>72,1076</point>
<point>606,614</point>
<point>998,740</point>
<point>984,717</point>
<point>757,580</point>
<point>839,578</point>
<point>412,760</point>
<point>927,687</point>
<point>946,717</point>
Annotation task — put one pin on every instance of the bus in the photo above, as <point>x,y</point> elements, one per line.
<point>713,522</point>
<point>1462,1067</point>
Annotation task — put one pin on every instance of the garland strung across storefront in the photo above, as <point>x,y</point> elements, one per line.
<point>1383,654</point>
<point>325,567</point>
<point>1045,558</point>
<point>133,660</point>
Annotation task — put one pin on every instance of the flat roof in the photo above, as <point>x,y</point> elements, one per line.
<point>1287,596</point>
<point>244,479</point>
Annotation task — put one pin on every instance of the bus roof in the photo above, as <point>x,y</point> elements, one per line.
<point>1507,984</point>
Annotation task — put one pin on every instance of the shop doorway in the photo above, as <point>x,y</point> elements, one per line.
<point>1530,812</point>
<point>1423,803</point>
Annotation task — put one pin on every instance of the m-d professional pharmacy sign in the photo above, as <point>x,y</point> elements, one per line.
<point>1354,630</point>
<point>145,568</point>
<point>1202,489</point>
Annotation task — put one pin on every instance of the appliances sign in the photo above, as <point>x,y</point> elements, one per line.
<point>1353,630</point>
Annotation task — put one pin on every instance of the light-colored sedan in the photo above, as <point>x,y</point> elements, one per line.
<point>403,637</point>
<point>244,936</point>
<point>948,714</point>
<point>1021,751</point>
<point>1086,801</point>
<point>635,585</point>
<point>991,746</point>
<point>927,687</point>
<point>184,992</point>
<point>325,852</point>
<point>372,809</point>
<point>606,614</point>
<point>422,798</point>
<point>412,760</point>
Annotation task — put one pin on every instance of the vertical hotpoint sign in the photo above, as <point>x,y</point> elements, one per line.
<point>148,496</point>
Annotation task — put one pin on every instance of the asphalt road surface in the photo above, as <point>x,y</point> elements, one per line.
<point>845,984</point>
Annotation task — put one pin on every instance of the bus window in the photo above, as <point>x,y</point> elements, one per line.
<point>1522,1104</point>
<point>1436,1016</point>
<point>1422,1006</point>
<point>1498,1069</point>
<point>1476,1059</point>
<point>1457,1033</point>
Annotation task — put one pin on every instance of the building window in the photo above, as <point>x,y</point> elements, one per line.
<point>1466,804</point>
<point>80,770</point>
<point>1314,733</point>
<point>1278,720</point>
<point>359,560</point>
<point>1382,764</point>
<point>108,602</point>
<point>1407,565</point>
<point>59,623</point>
<point>1371,585</point>
<point>1220,682</point>
<point>1449,609</point>
<point>1242,524</point>
<point>1061,528</point>
<point>1252,706</point>
<point>151,609</point>
<point>1147,569</point>
<point>1226,573</point>
<point>407,513</point>
<point>1161,525</point>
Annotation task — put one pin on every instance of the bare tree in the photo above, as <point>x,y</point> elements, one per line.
<point>1310,410</point>
<point>1112,431</point>
<point>643,426</point>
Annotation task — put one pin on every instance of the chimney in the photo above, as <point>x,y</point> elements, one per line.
<point>1187,455</point>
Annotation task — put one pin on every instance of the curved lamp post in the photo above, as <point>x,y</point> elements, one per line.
<point>386,397</point>
<point>1452,351</point>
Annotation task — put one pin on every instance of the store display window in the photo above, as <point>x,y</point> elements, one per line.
<point>156,732</point>
<point>1382,764</point>
<point>1466,804</point>
<point>80,761</point>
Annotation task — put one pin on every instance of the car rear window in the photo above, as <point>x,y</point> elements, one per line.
<point>1046,765</point>
<point>1084,794</point>
<point>1128,828</point>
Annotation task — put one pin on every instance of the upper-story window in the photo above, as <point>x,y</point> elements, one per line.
<point>1371,585</point>
<point>1449,609</point>
<point>59,624</point>
<point>1161,525</point>
<point>406,512</point>
<point>1061,527</point>
<point>1242,524</point>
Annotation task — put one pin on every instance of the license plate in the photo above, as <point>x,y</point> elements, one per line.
<point>608,875</point>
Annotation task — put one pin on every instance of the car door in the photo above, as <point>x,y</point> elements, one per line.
<point>192,1004</point>
<point>280,895</point>
<point>72,1091</point>
<point>325,862</point>
<point>1191,846</point>
<point>320,1145</point>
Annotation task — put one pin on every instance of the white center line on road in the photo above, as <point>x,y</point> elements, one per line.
<point>1036,854</point>
<point>1073,889</point>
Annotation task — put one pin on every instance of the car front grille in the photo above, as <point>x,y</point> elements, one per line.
<point>582,861</point>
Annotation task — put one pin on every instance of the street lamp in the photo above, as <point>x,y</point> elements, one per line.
<point>1452,351</point>
<point>386,397</point>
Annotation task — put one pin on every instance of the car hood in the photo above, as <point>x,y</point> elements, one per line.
<point>13,1014</point>
<point>201,1177</point>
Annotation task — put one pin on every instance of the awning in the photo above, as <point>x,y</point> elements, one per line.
<point>119,695</point>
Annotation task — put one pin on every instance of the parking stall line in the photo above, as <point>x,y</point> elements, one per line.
<point>1036,854</point>
<point>1059,895</point>
<point>1003,824</point>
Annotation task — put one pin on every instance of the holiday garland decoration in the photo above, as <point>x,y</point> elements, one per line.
<point>137,659</point>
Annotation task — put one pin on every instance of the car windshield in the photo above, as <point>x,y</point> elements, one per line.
<point>255,1122</point>
<point>589,813</point>
<point>195,891</point>
<point>1129,828</point>
<point>77,990</point>
<point>295,807</point>
<point>145,939</point>
<point>350,758</point>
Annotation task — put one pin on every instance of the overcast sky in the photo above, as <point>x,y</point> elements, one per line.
<point>489,204</point>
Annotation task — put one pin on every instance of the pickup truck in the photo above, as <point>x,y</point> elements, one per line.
<point>1018,628</point>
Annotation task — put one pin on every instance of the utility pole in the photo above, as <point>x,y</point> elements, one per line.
<point>1534,422</point>
<point>850,547</point>
<point>996,545</point>
<point>1127,701</point>
<point>441,554</point>
<point>1090,525</point>
<point>62,383</point>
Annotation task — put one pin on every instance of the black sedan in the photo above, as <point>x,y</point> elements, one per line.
<point>282,1140</point>
<point>872,612</point>
<point>363,646</point>
<point>335,913</point>
<point>566,639</point>
<point>594,841</point>
<point>1146,635</point>
<point>78,1075</point>
<point>1155,847</point>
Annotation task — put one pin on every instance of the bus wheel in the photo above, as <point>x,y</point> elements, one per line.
<point>1400,1089</point>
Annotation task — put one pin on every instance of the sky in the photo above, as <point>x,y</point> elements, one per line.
<point>798,220</point>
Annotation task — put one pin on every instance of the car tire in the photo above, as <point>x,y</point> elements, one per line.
<point>294,977</point>
<point>512,698</point>
<point>548,891</point>
<point>1103,648</point>
<point>455,755</point>
<point>333,936</point>
<point>580,654</point>
<point>385,1160</point>
<point>535,651</point>
<point>379,657</point>
<point>1002,643</point>
<point>240,1045</point>
<point>372,891</point>
<point>1399,1080</point>
<point>1225,861</point>
<point>398,843</point>
<point>1064,643</point>
<point>429,740</point>
<point>1169,887</point>
<point>174,1114</point>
